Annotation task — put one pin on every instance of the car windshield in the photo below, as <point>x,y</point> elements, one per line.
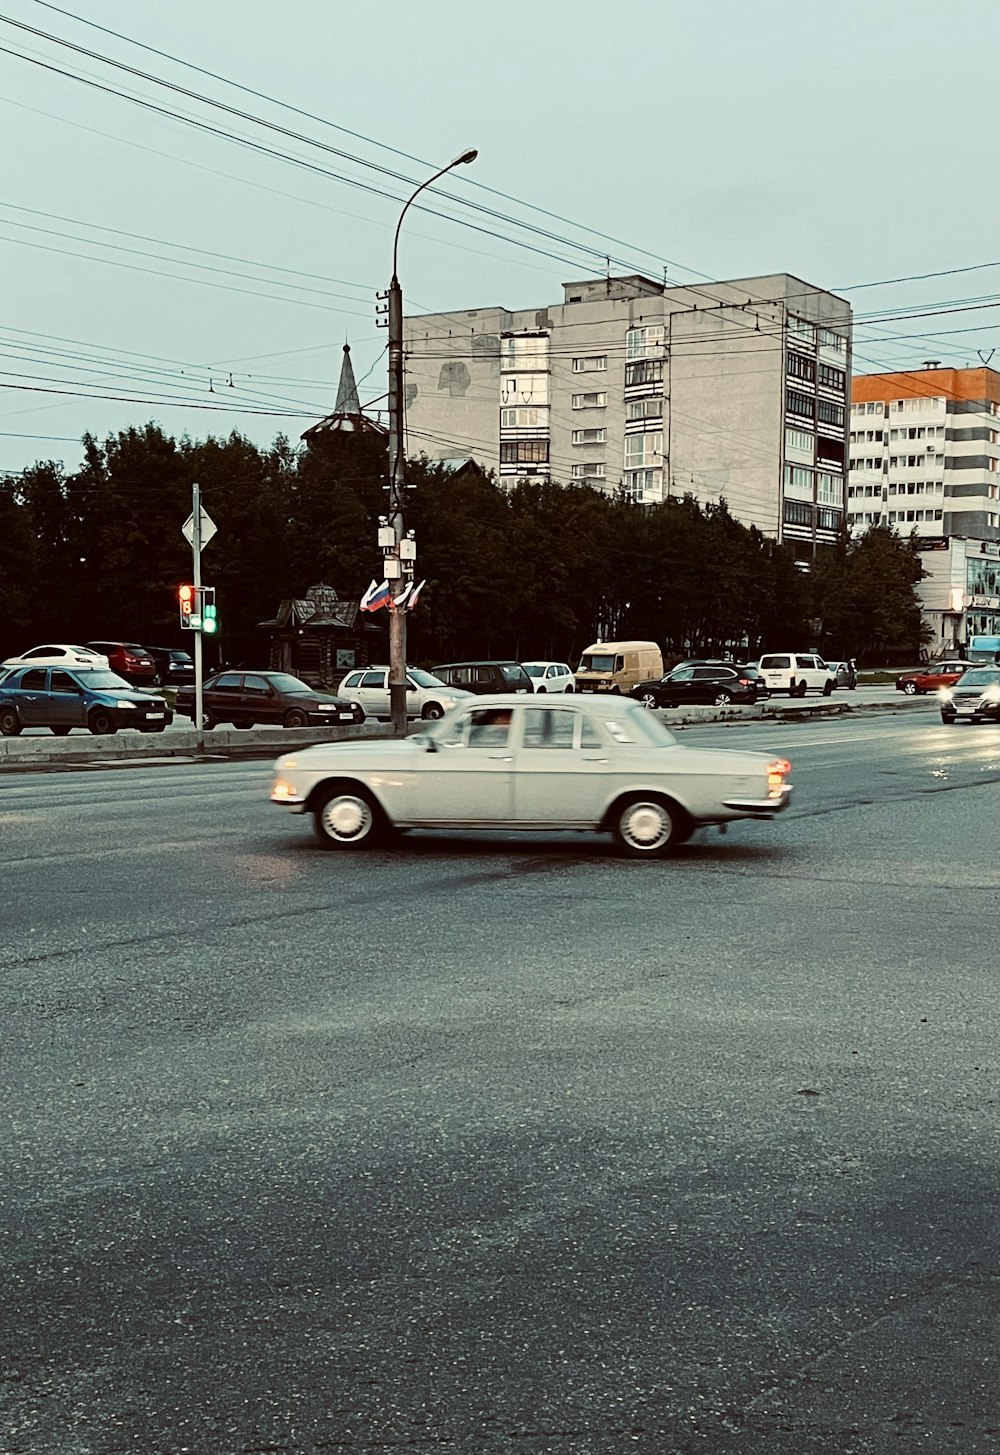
<point>425,679</point>
<point>597,663</point>
<point>180,657</point>
<point>980,678</point>
<point>103,681</point>
<point>285,682</point>
<point>511,672</point>
<point>534,669</point>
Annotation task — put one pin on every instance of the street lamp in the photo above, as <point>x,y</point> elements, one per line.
<point>397,469</point>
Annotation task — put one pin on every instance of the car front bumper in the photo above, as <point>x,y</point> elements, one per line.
<point>761,807</point>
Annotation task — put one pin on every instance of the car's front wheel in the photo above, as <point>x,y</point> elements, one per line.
<point>827,688</point>
<point>10,723</point>
<point>722,699</point>
<point>646,828</point>
<point>910,688</point>
<point>347,817</point>
<point>243,724</point>
<point>432,712</point>
<point>101,723</point>
<point>648,699</point>
<point>296,718</point>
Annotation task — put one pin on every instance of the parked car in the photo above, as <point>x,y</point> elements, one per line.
<point>550,676</point>
<point>58,654</point>
<point>173,667</point>
<point>129,660</point>
<point>596,763</point>
<point>930,678</point>
<point>427,696</point>
<point>846,673</point>
<point>247,698</point>
<point>617,666</point>
<point>62,698</point>
<point>976,695</point>
<point>484,677</point>
<point>716,686</point>
<point>796,673</point>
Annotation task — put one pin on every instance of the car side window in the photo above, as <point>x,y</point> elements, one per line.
<point>589,736</point>
<point>353,679</point>
<point>43,652</point>
<point>774,664</point>
<point>371,679</point>
<point>63,682</point>
<point>681,674</point>
<point>228,682</point>
<point>547,728</point>
<point>256,684</point>
<point>489,728</point>
<point>711,674</point>
<point>484,674</point>
<point>34,681</point>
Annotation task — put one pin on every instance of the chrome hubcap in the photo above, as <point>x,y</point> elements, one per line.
<point>646,825</point>
<point>347,818</point>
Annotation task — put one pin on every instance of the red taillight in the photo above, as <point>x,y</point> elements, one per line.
<point>744,681</point>
<point>777,771</point>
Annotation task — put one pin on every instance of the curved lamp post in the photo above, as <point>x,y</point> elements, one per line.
<point>397,467</point>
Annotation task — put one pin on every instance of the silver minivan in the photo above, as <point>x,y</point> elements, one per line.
<point>797,673</point>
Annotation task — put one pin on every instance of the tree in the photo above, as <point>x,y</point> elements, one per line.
<point>865,592</point>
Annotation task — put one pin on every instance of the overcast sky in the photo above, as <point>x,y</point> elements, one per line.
<point>844,143</point>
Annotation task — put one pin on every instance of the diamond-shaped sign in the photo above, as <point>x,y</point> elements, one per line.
<point>208,528</point>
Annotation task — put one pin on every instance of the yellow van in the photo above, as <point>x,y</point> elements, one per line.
<point>618,666</point>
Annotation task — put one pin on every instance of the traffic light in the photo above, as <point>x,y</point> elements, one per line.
<point>209,617</point>
<point>185,598</point>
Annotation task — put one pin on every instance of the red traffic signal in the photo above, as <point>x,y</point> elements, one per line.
<point>185,598</point>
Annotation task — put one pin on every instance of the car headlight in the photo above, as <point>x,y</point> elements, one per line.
<point>123,703</point>
<point>992,694</point>
<point>945,694</point>
<point>281,789</point>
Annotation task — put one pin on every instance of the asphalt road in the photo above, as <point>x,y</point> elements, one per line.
<point>500,1144</point>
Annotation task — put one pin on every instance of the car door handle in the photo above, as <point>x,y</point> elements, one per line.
<point>501,757</point>
<point>595,760</point>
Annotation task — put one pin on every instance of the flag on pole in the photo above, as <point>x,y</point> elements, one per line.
<point>398,603</point>
<point>376,597</point>
<point>414,594</point>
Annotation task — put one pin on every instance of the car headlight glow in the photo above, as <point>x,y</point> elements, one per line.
<point>992,694</point>
<point>945,694</point>
<point>281,789</point>
<point>123,703</point>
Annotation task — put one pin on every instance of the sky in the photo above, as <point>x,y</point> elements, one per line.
<point>155,269</point>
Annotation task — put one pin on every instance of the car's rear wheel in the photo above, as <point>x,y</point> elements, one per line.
<point>432,712</point>
<point>570,689</point>
<point>101,723</point>
<point>59,732</point>
<point>722,699</point>
<point>296,718</point>
<point>910,688</point>
<point>646,828</point>
<point>827,688</point>
<point>154,727</point>
<point>10,723</point>
<point>648,699</point>
<point>347,817</point>
<point>800,691</point>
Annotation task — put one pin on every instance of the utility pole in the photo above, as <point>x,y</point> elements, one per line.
<point>397,472</point>
<point>199,673</point>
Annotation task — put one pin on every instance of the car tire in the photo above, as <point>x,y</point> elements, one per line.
<point>801,689</point>
<point>616,691</point>
<point>10,723</point>
<point>208,720</point>
<point>432,712</point>
<point>569,691</point>
<point>948,717</point>
<point>827,688</point>
<point>101,723</point>
<point>59,732</point>
<point>347,817</point>
<point>648,700</point>
<point>648,827</point>
<point>723,699</point>
<point>911,689</point>
<point>243,725</point>
<point>295,718</point>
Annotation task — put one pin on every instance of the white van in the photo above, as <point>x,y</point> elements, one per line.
<point>796,673</point>
<point>618,666</point>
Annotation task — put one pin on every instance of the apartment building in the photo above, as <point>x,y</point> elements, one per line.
<point>925,459</point>
<point>734,390</point>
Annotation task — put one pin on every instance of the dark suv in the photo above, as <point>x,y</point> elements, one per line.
<point>173,667</point>
<point>716,686</point>
<point>484,677</point>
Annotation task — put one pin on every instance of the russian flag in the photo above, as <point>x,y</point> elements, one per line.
<point>376,597</point>
<point>414,594</point>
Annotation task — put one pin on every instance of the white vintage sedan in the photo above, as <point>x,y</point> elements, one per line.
<point>593,763</point>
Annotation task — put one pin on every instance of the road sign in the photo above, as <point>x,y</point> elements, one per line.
<point>208,528</point>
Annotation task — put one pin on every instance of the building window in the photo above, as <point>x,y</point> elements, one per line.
<point>524,351</point>
<point>797,403</point>
<point>590,401</point>
<point>797,512</point>
<point>592,470</point>
<point>648,371</point>
<point>798,482</point>
<point>829,489</point>
<point>830,340</point>
<point>830,519</point>
<point>799,439</point>
<point>589,436</point>
<point>644,409</point>
<point>524,418</point>
<point>644,343</point>
<point>524,452</point>
<point>639,483</point>
<point>832,378</point>
<point>643,451</point>
<point>830,413</point>
<point>521,389</point>
<point>592,364</point>
<point>798,366</point>
<point>874,407</point>
<point>801,329</point>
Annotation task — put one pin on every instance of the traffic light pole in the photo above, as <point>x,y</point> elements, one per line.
<point>199,674</point>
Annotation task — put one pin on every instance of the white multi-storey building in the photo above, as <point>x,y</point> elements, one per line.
<point>925,459</point>
<point>734,390</point>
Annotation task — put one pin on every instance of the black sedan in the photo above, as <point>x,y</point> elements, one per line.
<point>247,698</point>
<point>715,686</point>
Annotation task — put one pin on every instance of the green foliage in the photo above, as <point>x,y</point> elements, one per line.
<point>540,570</point>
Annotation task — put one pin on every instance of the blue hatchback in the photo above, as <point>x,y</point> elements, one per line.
<point>62,698</point>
